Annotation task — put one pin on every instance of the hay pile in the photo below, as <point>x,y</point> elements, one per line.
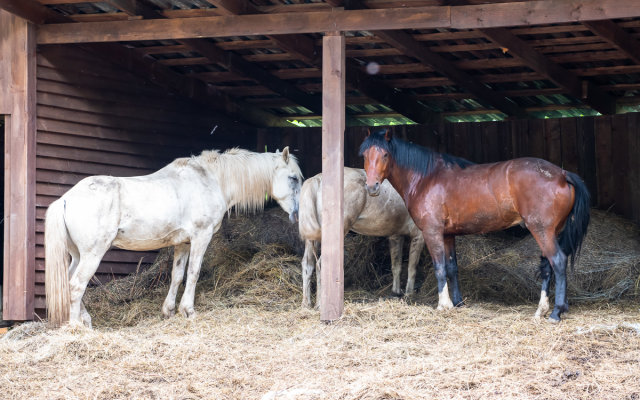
<point>385,349</point>
<point>256,260</point>
<point>252,260</point>
<point>251,340</point>
<point>503,266</point>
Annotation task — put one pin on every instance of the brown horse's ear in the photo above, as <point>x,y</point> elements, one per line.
<point>368,132</point>
<point>388,135</point>
<point>285,154</point>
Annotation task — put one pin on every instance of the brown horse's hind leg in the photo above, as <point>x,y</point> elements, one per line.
<point>558,260</point>
<point>545,275</point>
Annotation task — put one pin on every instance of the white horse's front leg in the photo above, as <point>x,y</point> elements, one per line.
<point>198,247</point>
<point>180,257</point>
<point>395,248</point>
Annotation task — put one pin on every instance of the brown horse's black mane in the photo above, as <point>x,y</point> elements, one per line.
<point>409,155</point>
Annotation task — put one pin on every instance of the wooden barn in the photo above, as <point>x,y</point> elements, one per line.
<point>121,87</point>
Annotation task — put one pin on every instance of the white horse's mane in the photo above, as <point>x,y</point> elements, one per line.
<point>244,176</point>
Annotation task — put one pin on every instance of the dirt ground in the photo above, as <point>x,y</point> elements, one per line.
<point>380,349</point>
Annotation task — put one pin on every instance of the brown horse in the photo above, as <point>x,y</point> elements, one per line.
<point>448,196</point>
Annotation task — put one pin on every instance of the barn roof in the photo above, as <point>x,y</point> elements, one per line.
<point>458,60</point>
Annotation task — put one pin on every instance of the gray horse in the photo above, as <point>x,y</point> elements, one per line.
<point>384,216</point>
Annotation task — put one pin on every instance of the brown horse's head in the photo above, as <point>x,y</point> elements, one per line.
<point>377,161</point>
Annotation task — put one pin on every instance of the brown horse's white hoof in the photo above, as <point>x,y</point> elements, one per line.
<point>444,301</point>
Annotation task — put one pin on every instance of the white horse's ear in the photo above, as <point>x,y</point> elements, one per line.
<point>285,154</point>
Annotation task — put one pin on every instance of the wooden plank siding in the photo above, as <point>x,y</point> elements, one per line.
<point>604,151</point>
<point>94,119</point>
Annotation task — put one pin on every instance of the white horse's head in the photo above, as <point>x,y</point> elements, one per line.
<point>287,180</point>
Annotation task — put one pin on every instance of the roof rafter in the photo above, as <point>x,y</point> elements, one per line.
<point>235,63</point>
<point>239,66</point>
<point>301,46</point>
<point>402,103</point>
<point>371,87</point>
<point>585,90</point>
<point>126,58</point>
<point>616,36</point>
<point>412,48</point>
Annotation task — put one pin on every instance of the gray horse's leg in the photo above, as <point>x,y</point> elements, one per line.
<point>198,247</point>
<point>395,248</point>
<point>316,247</point>
<point>417,243</point>
<point>180,257</point>
<point>308,265</point>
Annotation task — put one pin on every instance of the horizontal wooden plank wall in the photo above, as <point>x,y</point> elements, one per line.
<point>604,151</point>
<point>94,119</point>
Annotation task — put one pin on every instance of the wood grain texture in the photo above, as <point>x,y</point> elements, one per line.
<point>333,124</point>
<point>17,93</point>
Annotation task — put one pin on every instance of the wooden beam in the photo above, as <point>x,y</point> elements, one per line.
<point>458,17</point>
<point>588,92</point>
<point>243,25</point>
<point>302,47</point>
<point>239,66</point>
<point>18,102</point>
<point>412,48</point>
<point>618,37</point>
<point>333,124</point>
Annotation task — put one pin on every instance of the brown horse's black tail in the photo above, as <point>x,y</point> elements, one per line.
<point>571,237</point>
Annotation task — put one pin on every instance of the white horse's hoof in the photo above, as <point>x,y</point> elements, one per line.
<point>444,307</point>
<point>553,321</point>
<point>187,312</point>
<point>78,325</point>
<point>168,312</point>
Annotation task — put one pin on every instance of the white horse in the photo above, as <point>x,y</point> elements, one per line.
<point>384,215</point>
<point>180,205</point>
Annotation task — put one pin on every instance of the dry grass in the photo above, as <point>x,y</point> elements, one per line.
<point>383,349</point>
<point>251,340</point>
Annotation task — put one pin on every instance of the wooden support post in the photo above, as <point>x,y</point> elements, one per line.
<point>18,102</point>
<point>333,122</point>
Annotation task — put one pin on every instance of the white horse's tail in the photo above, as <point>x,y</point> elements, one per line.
<point>56,264</point>
<point>309,223</point>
